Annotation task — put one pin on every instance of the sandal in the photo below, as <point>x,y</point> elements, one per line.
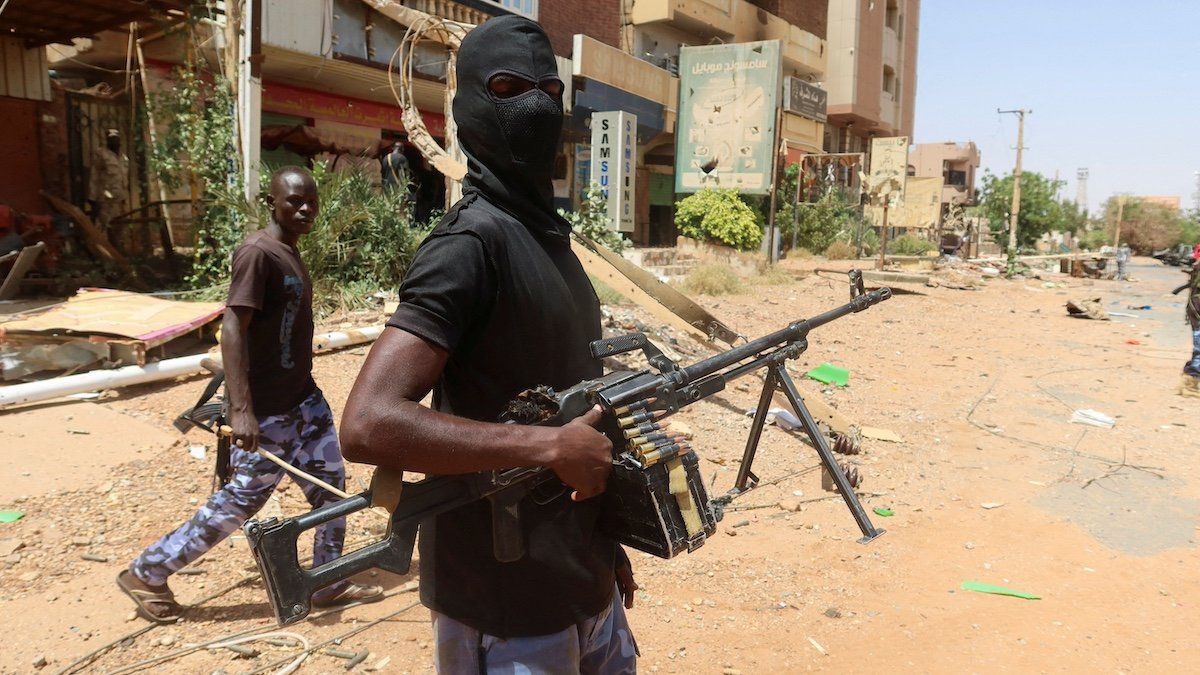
<point>146,599</point>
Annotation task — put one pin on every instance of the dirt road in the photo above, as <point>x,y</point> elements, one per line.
<point>991,483</point>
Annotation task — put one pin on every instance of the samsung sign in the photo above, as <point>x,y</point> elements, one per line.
<point>614,139</point>
<point>804,99</point>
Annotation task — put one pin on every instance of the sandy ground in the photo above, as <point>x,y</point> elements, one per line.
<point>980,385</point>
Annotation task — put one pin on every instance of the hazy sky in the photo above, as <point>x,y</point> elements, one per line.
<point>1114,87</point>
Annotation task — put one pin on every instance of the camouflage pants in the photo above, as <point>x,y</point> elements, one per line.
<point>1192,367</point>
<point>304,437</point>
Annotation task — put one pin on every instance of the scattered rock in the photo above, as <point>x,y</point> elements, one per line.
<point>81,541</point>
<point>10,546</point>
<point>166,640</point>
<point>40,662</point>
<point>833,613</point>
<point>30,576</point>
<point>789,504</point>
<point>969,546</point>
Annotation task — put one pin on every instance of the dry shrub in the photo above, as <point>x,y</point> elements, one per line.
<point>607,294</point>
<point>840,250</point>
<point>774,275</point>
<point>799,253</point>
<point>713,279</point>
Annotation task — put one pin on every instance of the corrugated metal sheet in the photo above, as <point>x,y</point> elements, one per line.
<point>23,72</point>
<point>304,26</point>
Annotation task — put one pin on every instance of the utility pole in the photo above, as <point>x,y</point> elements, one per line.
<point>1120,217</point>
<point>1081,178</point>
<point>1016,199</point>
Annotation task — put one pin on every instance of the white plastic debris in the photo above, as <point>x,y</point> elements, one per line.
<point>1093,418</point>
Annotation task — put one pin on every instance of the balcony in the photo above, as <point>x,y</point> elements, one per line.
<point>891,47</point>
<point>707,19</point>
<point>447,9</point>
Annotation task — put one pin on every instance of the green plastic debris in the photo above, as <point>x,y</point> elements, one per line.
<point>830,374</point>
<point>997,590</point>
<point>10,516</point>
<point>885,512</point>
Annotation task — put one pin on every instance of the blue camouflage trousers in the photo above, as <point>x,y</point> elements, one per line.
<point>1192,367</point>
<point>304,437</point>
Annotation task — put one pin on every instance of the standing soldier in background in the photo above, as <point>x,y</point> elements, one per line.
<point>108,189</point>
<point>1123,256</point>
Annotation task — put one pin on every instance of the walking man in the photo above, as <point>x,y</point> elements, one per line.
<point>275,406</point>
<point>495,303</point>
<point>1123,256</point>
<point>1191,369</point>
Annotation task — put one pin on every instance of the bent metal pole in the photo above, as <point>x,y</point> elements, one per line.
<point>44,390</point>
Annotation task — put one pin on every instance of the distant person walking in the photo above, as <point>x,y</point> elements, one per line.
<point>1191,369</point>
<point>1123,256</point>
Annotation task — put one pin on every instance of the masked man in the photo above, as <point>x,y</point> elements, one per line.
<point>275,407</point>
<point>495,303</point>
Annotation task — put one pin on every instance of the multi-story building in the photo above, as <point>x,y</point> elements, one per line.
<point>872,78</point>
<point>954,163</point>
<point>324,68</point>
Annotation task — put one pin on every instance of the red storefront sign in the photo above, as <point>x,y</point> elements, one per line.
<point>288,100</point>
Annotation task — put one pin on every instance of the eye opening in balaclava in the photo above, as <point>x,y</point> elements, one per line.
<point>506,85</point>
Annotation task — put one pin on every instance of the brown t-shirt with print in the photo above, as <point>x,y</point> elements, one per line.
<point>270,278</point>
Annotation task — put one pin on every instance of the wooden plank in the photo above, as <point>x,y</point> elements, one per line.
<point>97,242</point>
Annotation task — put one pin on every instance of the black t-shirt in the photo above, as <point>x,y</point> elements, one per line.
<point>514,309</point>
<point>269,277</point>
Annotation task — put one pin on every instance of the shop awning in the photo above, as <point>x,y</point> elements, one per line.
<point>49,21</point>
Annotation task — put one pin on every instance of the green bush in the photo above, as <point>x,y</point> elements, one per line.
<point>840,250</point>
<point>910,245</point>
<point>719,216</point>
<point>713,279</point>
<point>591,220</point>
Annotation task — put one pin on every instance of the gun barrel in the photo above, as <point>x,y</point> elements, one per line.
<point>795,331</point>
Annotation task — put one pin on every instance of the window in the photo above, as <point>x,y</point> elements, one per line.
<point>892,18</point>
<point>527,8</point>
<point>889,80</point>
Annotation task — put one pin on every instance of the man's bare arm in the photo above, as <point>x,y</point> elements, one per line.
<point>235,358</point>
<point>385,425</point>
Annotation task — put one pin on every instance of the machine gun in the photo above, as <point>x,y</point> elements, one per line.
<point>655,500</point>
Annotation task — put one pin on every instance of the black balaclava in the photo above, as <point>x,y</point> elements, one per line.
<point>510,143</point>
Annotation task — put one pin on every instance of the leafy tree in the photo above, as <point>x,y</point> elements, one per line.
<point>1040,211</point>
<point>719,216</point>
<point>1145,226</point>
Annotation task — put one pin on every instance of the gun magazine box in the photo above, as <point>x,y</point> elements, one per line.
<point>642,510</point>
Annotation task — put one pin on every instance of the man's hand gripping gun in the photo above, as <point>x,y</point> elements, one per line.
<point>638,398</point>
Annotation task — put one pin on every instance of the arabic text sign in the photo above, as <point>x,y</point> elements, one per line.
<point>889,168</point>
<point>804,99</point>
<point>613,158</point>
<point>728,98</point>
